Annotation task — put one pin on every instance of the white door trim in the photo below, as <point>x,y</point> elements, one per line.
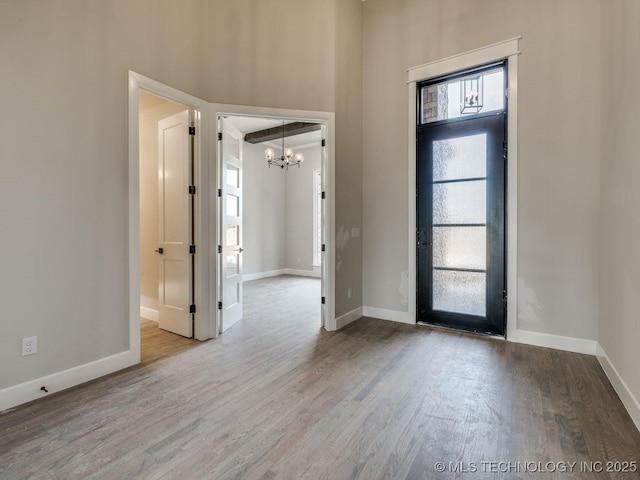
<point>139,82</point>
<point>328,267</point>
<point>507,50</point>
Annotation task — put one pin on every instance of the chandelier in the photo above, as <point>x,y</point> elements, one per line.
<point>471,94</point>
<point>287,159</point>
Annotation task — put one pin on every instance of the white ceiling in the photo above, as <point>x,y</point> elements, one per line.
<point>253,124</point>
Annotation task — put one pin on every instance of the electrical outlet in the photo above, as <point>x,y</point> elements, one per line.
<point>348,293</point>
<point>29,346</point>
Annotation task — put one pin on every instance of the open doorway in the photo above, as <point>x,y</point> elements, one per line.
<point>207,321</point>
<point>166,219</point>
<point>272,235</point>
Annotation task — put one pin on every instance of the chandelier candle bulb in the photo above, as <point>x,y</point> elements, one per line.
<point>269,154</point>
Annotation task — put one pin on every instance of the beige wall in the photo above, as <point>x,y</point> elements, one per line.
<point>149,226</point>
<point>619,330</point>
<point>558,135</point>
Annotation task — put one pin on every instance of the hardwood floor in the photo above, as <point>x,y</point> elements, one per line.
<point>277,397</point>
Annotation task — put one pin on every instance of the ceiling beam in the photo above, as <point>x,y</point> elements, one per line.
<point>274,133</point>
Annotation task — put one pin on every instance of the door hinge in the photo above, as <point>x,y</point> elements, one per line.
<point>192,308</point>
<point>219,136</point>
<point>219,192</point>
<point>192,249</point>
<point>219,248</point>
<point>324,247</point>
<point>324,142</point>
<point>192,130</point>
<point>324,195</point>
<point>505,148</point>
<point>219,305</point>
<point>192,189</point>
<point>323,300</point>
<point>504,297</point>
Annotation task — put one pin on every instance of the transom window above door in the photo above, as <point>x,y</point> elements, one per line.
<point>459,96</point>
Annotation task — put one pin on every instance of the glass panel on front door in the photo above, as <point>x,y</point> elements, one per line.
<point>460,204</point>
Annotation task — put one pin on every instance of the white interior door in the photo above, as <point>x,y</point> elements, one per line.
<point>231,215</point>
<point>175,287</point>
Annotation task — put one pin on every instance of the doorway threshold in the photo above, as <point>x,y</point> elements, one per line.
<point>472,331</point>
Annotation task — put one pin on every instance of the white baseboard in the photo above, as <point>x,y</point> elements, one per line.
<point>392,315</point>
<point>347,318</point>
<point>283,271</point>
<point>25,392</point>
<point>150,314</point>
<point>260,275</point>
<point>569,344</point>
<point>302,273</point>
<point>629,400</point>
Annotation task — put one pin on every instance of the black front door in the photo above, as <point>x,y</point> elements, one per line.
<point>461,223</point>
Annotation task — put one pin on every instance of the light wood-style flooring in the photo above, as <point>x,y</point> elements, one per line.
<point>276,397</point>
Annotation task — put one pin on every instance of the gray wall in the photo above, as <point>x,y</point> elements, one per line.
<point>315,63</point>
<point>558,154</point>
<point>264,214</point>
<point>277,212</point>
<point>299,223</point>
<point>619,331</point>
<point>64,180</point>
<point>348,162</point>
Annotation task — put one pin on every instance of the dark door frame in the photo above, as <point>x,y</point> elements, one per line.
<point>508,50</point>
<point>495,126</point>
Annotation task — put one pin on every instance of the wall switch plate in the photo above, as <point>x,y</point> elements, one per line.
<point>355,233</point>
<point>348,293</point>
<point>29,346</point>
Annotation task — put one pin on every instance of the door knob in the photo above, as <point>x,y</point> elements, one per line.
<point>160,250</point>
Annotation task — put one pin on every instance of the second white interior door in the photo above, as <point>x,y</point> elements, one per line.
<point>232,231</point>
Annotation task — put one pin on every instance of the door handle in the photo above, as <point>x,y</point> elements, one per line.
<point>240,249</point>
<point>160,251</point>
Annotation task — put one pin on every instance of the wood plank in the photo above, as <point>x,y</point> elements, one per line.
<point>278,397</point>
<point>276,133</point>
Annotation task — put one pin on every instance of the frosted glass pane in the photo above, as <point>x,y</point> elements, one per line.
<point>460,247</point>
<point>459,158</point>
<point>232,265</point>
<point>233,176</point>
<point>233,205</point>
<point>231,295</point>
<point>459,292</point>
<point>460,202</point>
<point>232,236</point>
